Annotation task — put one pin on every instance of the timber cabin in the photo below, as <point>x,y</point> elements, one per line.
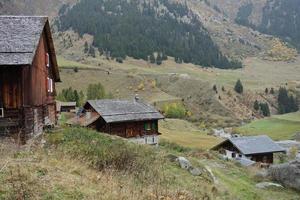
<point>254,148</point>
<point>28,72</point>
<point>133,120</point>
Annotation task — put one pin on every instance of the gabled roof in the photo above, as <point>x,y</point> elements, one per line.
<point>122,110</point>
<point>253,145</point>
<point>19,39</point>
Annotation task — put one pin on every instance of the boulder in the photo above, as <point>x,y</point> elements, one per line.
<point>195,171</point>
<point>266,185</point>
<point>287,174</point>
<point>184,163</point>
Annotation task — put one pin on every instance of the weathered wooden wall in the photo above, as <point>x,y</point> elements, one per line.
<point>35,78</point>
<point>126,129</point>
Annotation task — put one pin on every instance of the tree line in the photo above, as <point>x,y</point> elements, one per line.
<point>94,91</point>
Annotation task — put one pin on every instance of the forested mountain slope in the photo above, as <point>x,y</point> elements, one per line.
<point>282,19</point>
<point>274,17</point>
<point>139,29</point>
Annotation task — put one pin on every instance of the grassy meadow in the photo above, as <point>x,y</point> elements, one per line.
<point>186,134</point>
<point>257,74</point>
<point>76,163</point>
<point>278,127</point>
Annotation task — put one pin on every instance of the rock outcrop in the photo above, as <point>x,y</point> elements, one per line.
<point>287,174</point>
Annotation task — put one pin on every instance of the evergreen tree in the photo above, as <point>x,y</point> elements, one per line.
<point>272,91</point>
<point>223,89</point>
<point>215,88</point>
<point>86,47</point>
<point>267,91</point>
<point>256,105</point>
<point>158,59</point>
<point>92,52</point>
<point>239,87</point>
<point>264,107</point>
<point>152,59</point>
<point>283,101</point>
<point>95,91</point>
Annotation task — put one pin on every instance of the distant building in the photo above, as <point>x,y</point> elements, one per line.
<point>254,148</point>
<point>28,72</point>
<point>65,107</point>
<point>134,120</point>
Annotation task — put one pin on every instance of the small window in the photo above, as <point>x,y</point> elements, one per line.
<point>1,112</point>
<point>154,126</point>
<point>147,127</point>
<point>50,85</point>
<point>47,60</point>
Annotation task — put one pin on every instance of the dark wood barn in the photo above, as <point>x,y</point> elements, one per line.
<point>256,148</point>
<point>134,120</point>
<point>28,72</point>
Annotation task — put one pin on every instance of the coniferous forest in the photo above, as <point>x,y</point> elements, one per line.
<point>139,29</point>
<point>282,18</point>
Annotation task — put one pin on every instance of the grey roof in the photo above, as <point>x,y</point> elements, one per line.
<point>255,145</point>
<point>19,38</point>
<point>122,110</point>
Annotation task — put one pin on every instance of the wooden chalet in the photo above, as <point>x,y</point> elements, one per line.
<point>28,72</point>
<point>134,120</point>
<point>254,148</point>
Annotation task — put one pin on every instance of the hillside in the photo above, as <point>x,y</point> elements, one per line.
<point>74,164</point>
<point>273,17</point>
<point>139,30</point>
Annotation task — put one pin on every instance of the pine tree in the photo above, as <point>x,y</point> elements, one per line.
<point>158,59</point>
<point>256,105</point>
<point>266,90</point>
<point>76,97</point>
<point>95,91</point>
<point>272,91</point>
<point>215,88</point>
<point>152,59</point>
<point>283,101</point>
<point>86,47</point>
<point>92,52</point>
<point>264,107</point>
<point>239,87</point>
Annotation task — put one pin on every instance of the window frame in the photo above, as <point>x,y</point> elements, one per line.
<point>147,126</point>
<point>47,60</point>
<point>50,85</point>
<point>1,112</point>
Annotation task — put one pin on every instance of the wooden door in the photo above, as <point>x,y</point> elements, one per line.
<point>11,88</point>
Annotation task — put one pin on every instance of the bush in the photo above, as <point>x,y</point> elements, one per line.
<point>174,110</point>
<point>102,152</point>
<point>119,60</point>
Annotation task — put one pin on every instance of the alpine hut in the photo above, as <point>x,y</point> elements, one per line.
<point>134,120</point>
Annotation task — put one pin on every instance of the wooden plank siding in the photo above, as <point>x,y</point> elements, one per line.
<point>126,129</point>
<point>28,106</point>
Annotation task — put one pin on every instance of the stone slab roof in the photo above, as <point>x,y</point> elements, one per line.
<point>122,110</point>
